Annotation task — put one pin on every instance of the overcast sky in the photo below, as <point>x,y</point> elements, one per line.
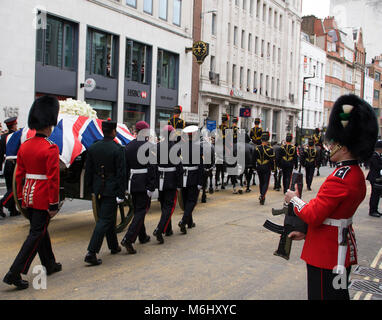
<point>318,8</point>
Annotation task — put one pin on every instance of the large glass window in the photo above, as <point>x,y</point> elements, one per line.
<point>101,53</point>
<point>134,113</point>
<point>177,13</point>
<point>167,69</point>
<point>137,61</point>
<point>132,3</point>
<point>163,9</point>
<point>55,44</point>
<point>104,109</point>
<point>148,6</point>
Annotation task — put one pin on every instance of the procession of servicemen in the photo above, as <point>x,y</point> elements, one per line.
<point>182,162</point>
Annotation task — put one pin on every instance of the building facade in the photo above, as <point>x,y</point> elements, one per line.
<point>339,48</point>
<point>313,61</point>
<point>126,58</point>
<point>253,66</point>
<point>375,72</point>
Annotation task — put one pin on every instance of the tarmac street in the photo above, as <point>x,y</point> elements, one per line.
<point>228,256</point>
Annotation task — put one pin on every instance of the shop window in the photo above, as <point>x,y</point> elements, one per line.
<point>104,109</point>
<point>134,113</point>
<point>101,53</point>
<point>137,62</point>
<point>167,69</point>
<point>55,44</point>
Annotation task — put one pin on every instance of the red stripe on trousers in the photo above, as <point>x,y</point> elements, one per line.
<point>6,200</point>
<point>172,211</point>
<point>37,243</point>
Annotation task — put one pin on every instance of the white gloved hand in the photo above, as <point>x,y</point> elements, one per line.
<point>119,201</point>
<point>149,193</point>
<point>199,187</point>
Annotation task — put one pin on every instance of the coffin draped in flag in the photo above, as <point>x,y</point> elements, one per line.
<point>73,135</point>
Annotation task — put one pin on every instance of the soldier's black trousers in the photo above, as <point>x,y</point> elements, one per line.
<point>8,201</point>
<point>107,216</point>
<point>309,174</point>
<point>38,241</point>
<point>219,175</point>
<point>287,175</point>
<point>320,284</point>
<point>264,177</point>
<point>167,199</point>
<point>141,203</point>
<point>190,199</point>
<point>374,199</point>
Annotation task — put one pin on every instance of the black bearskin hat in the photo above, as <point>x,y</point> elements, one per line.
<point>43,113</point>
<point>289,137</point>
<point>265,136</point>
<point>353,124</point>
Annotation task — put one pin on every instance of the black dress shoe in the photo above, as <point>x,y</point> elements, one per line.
<point>159,236</point>
<point>145,240</point>
<point>262,200</point>
<point>374,214</point>
<point>211,190</point>
<point>204,198</point>
<point>193,225</point>
<point>15,279</point>
<point>92,259</point>
<point>55,267</point>
<point>115,251</point>
<point>182,227</point>
<point>129,246</point>
<point>169,233</point>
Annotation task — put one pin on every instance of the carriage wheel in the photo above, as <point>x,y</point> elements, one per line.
<point>124,218</point>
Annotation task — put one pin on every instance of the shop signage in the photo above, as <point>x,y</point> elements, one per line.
<point>137,93</point>
<point>191,117</point>
<point>211,125</point>
<point>245,112</point>
<point>90,85</point>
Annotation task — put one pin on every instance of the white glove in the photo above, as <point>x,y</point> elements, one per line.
<point>199,187</point>
<point>149,193</point>
<point>119,201</point>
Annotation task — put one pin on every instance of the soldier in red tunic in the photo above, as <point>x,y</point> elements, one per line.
<point>37,178</point>
<point>330,248</point>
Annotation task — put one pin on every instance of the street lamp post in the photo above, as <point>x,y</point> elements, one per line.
<point>303,100</point>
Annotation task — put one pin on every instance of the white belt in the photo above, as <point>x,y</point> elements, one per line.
<point>161,177</point>
<point>341,224</point>
<point>185,174</point>
<point>36,176</point>
<point>133,172</point>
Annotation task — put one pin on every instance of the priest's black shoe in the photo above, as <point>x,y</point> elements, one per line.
<point>15,279</point>
<point>145,240</point>
<point>115,251</point>
<point>182,227</point>
<point>159,236</point>
<point>375,214</point>
<point>53,268</point>
<point>92,259</point>
<point>129,246</point>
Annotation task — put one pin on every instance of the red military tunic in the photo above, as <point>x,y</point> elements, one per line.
<point>38,164</point>
<point>338,198</point>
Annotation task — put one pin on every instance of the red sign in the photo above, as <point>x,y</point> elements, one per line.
<point>144,94</point>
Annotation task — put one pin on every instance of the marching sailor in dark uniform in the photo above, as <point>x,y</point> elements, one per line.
<point>38,185</point>
<point>193,175</point>
<point>9,167</point>
<point>141,184</point>
<point>232,149</point>
<point>278,173</point>
<point>375,164</point>
<point>308,160</point>
<point>265,163</point>
<point>330,247</point>
<point>220,149</point>
<point>169,179</point>
<point>106,178</point>
<point>288,160</point>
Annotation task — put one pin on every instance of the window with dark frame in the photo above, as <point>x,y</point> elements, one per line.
<point>167,69</point>
<point>55,45</point>
<point>137,62</point>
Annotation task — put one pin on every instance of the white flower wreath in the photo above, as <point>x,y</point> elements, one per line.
<point>77,108</point>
